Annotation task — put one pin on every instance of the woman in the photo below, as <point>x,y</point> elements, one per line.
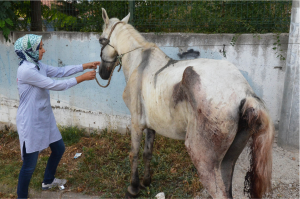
<point>35,120</point>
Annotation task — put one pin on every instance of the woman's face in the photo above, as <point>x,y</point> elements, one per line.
<point>41,51</point>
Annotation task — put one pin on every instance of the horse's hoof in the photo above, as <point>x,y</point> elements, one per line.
<point>146,182</point>
<point>129,195</point>
<point>132,192</point>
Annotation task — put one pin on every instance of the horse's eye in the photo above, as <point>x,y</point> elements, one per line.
<point>103,41</point>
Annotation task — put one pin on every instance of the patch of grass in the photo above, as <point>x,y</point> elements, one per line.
<point>104,167</point>
<point>7,135</point>
<point>71,134</point>
<point>10,163</point>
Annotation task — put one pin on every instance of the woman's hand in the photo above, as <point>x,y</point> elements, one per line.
<point>91,65</point>
<point>86,76</point>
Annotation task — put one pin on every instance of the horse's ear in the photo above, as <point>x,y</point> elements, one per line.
<point>126,19</point>
<point>105,16</point>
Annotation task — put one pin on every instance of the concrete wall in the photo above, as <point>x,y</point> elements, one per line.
<point>88,105</point>
<point>289,121</point>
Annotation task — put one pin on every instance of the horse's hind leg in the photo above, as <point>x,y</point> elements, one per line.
<point>228,163</point>
<point>136,136</point>
<point>209,135</point>
<point>207,149</point>
<point>147,155</point>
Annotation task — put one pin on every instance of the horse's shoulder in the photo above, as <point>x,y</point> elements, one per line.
<point>130,88</point>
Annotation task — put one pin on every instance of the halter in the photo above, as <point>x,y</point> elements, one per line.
<point>106,42</point>
<point>117,58</point>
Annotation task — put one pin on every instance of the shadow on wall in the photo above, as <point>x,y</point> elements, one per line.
<point>190,54</point>
<point>258,89</point>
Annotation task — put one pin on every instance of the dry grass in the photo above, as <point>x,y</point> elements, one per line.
<point>104,167</point>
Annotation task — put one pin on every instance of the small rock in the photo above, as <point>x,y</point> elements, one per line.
<point>61,187</point>
<point>160,195</point>
<point>293,158</point>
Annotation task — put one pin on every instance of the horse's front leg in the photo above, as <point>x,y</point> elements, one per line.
<point>136,136</point>
<point>147,155</point>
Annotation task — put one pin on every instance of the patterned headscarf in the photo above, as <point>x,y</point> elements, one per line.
<point>27,48</point>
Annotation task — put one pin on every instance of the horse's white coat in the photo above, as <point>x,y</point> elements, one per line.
<point>222,82</point>
<point>194,100</point>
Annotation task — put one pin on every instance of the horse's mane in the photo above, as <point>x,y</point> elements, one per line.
<point>131,32</point>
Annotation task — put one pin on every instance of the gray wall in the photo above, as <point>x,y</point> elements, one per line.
<point>88,105</point>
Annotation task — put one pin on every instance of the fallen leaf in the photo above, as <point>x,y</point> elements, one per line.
<point>79,189</point>
<point>173,170</point>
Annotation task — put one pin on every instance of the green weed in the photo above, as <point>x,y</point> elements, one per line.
<point>71,135</point>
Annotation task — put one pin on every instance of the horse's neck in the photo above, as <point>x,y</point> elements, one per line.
<point>133,49</point>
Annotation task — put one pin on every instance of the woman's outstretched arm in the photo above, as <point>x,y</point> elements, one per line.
<point>68,70</point>
<point>31,76</point>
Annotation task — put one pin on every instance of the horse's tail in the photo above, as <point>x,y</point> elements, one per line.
<point>258,178</point>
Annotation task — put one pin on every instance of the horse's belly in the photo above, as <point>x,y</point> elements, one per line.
<point>162,115</point>
<point>172,126</point>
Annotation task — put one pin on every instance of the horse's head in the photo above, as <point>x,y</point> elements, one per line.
<point>108,42</point>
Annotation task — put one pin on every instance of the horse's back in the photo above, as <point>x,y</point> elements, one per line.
<point>219,80</point>
<point>221,83</point>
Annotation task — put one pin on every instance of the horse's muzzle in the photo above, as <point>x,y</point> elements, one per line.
<point>104,71</point>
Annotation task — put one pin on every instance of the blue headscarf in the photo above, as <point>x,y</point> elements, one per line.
<point>27,48</point>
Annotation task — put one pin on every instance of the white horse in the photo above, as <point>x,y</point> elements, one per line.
<point>208,103</point>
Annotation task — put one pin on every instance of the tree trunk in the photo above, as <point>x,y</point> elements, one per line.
<point>36,16</point>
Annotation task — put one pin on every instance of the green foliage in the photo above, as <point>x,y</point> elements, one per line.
<point>84,16</point>
<point>234,39</point>
<point>212,16</point>
<point>90,13</point>
<point>14,15</point>
<point>58,17</point>
<point>22,10</point>
<point>277,48</point>
<point>6,16</point>
<point>154,16</point>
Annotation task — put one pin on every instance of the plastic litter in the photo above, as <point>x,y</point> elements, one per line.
<point>77,155</point>
<point>61,187</point>
<point>160,195</point>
